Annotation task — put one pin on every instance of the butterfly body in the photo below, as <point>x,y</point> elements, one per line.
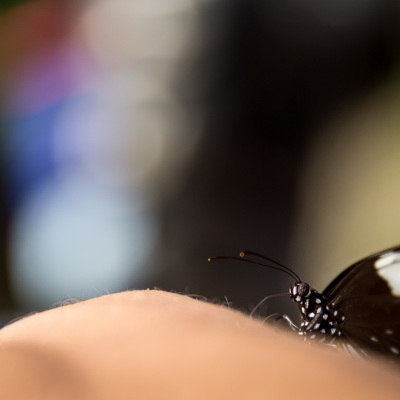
<point>320,319</point>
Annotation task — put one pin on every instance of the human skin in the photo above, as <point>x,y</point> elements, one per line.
<point>158,345</point>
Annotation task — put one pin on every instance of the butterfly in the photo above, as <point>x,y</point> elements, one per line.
<point>359,311</point>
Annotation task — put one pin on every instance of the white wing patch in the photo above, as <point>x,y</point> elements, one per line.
<point>386,259</point>
<point>388,268</point>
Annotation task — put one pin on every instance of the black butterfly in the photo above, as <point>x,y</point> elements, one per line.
<point>359,311</point>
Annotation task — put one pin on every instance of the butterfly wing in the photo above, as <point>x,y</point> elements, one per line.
<point>368,294</point>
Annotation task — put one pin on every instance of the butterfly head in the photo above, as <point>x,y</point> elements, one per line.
<point>300,291</point>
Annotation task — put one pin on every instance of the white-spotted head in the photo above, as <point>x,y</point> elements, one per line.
<point>299,291</point>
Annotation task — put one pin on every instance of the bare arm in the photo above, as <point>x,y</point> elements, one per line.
<point>158,345</point>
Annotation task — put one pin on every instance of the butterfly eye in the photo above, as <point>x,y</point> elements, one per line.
<point>302,289</point>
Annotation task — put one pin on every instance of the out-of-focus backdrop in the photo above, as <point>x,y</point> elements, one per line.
<point>140,137</point>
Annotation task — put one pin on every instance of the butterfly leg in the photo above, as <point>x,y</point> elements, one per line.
<point>292,325</point>
<point>264,300</point>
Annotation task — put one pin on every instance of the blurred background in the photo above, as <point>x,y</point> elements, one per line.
<point>139,138</point>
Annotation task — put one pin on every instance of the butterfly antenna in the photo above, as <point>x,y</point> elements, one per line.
<point>279,268</point>
<point>253,253</point>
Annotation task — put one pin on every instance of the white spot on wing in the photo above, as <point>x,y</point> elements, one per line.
<point>389,332</point>
<point>386,259</point>
<point>394,350</point>
<point>391,275</point>
<point>374,339</point>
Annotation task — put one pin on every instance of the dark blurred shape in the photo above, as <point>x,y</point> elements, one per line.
<point>269,75</point>
<point>6,4</point>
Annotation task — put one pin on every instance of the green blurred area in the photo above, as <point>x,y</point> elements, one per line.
<point>6,4</point>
